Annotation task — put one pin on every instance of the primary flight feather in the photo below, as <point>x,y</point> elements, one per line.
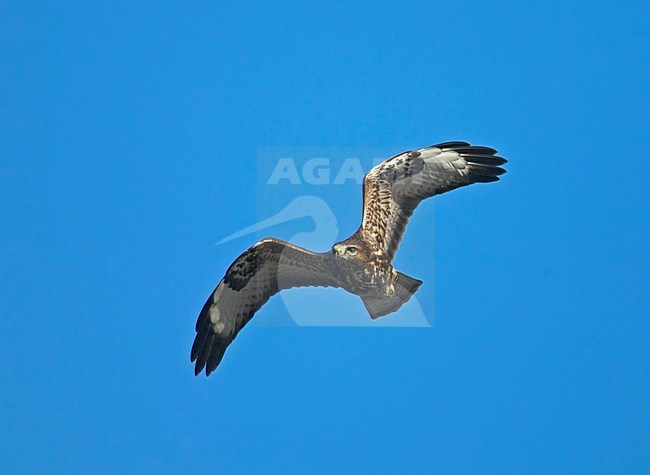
<point>360,264</point>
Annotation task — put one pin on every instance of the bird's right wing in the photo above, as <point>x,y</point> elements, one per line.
<point>394,188</point>
<point>260,272</point>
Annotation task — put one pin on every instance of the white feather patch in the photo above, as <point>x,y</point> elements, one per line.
<point>214,314</point>
<point>429,153</point>
<point>217,293</point>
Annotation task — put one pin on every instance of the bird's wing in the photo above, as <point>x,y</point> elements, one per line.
<point>261,271</point>
<point>394,188</point>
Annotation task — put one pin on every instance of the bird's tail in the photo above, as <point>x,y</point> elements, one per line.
<point>405,287</point>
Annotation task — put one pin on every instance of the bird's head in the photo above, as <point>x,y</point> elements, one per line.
<point>352,248</point>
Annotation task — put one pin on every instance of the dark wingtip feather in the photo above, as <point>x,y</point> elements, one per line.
<point>491,160</point>
<point>204,353</point>
<point>197,370</point>
<point>485,170</point>
<point>454,144</point>
<point>204,312</point>
<point>199,340</point>
<point>215,357</point>
<point>476,150</point>
<point>210,352</point>
<point>485,178</point>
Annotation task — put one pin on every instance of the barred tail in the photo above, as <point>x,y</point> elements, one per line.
<point>405,287</point>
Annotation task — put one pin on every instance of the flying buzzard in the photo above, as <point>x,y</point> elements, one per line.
<point>361,264</point>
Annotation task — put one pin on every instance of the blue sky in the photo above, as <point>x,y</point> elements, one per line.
<point>128,144</point>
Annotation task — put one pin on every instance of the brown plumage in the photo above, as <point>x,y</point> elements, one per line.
<point>360,264</point>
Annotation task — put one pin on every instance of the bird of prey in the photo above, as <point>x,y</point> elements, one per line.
<point>360,264</point>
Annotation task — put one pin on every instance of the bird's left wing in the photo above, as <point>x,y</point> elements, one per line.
<point>260,272</point>
<point>394,188</point>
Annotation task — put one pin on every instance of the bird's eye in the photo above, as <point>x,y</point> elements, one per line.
<point>352,250</point>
